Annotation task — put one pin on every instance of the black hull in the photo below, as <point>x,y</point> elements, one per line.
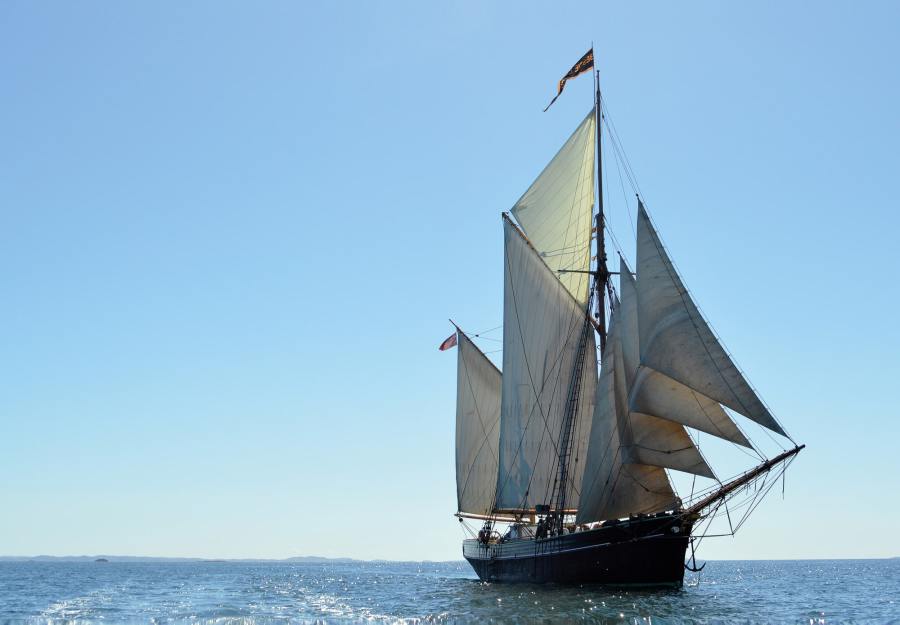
<point>643,552</point>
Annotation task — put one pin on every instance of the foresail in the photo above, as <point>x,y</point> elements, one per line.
<point>613,485</point>
<point>676,341</point>
<point>477,428</point>
<point>542,325</point>
<point>556,211</point>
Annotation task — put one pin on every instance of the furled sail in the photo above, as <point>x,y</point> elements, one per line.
<point>613,485</point>
<point>477,428</point>
<point>542,326</point>
<point>651,392</point>
<point>676,341</point>
<point>556,210</point>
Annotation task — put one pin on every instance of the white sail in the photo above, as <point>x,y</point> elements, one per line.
<point>628,319</point>
<point>477,428</point>
<point>542,326</point>
<point>676,341</point>
<point>648,439</point>
<point>556,211</point>
<point>651,392</point>
<point>658,394</point>
<point>635,489</point>
<point>614,486</point>
<point>661,443</point>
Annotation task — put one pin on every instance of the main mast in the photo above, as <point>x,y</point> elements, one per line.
<point>601,274</point>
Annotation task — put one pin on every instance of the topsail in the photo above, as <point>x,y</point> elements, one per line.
<point>557,210</point>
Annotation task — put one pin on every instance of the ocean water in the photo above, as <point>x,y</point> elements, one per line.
<point>809,592</point>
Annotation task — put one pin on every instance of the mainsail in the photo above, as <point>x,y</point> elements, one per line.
<point>557,210</point>
<point>542,325</point>
<point>477,428</point>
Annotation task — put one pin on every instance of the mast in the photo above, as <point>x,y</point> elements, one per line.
<point>602,274</point>
<point>568,424</point>
<point>574,392</point>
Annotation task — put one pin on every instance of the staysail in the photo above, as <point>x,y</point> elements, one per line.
<point>676,341</point>
<point>651,392</point>
<point>477,428</point>
<point>650,439</point>
<point>658,394</point>
<point>542,325</point>
<point>614,485</point>
<point>557,210</point>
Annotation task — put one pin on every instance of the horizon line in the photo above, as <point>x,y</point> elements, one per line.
<point>352,559</point>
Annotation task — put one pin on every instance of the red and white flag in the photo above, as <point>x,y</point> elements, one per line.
<point>449,342</point>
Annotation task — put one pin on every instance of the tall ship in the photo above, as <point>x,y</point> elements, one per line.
<point>566,459</point>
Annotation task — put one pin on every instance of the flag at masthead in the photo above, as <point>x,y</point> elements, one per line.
<point>584,64</point>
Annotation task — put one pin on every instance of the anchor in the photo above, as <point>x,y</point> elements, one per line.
<point>694,568</point>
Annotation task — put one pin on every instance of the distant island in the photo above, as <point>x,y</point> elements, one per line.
<point>295,559</point>
<point>108,558</point>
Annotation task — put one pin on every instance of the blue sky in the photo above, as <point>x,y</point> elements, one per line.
<point>232,234</point>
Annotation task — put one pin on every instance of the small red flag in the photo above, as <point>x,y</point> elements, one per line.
<point>449,342</point>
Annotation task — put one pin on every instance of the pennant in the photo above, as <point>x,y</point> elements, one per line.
<point>584,64</point>
<point>449,342</point>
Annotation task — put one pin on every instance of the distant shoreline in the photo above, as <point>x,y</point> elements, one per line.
<point>163,559</point>
<point>313,560</point>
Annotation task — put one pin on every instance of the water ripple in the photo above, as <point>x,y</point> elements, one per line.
<point>802,592</point>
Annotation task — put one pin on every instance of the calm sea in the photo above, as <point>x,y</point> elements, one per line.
<point>809,592</point>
